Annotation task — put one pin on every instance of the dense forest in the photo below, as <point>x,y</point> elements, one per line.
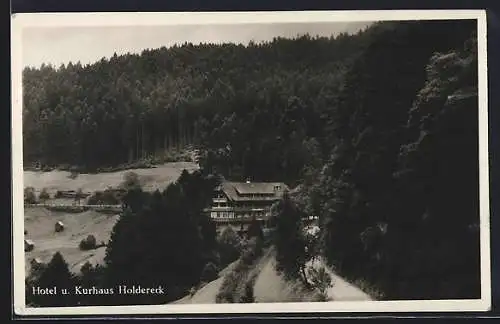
<point>376,131</point>
<point>217,97</point>
<point>398,193</point>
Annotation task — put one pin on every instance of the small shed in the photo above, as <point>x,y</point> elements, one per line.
<point>28,245</point>
<point>59,227</point>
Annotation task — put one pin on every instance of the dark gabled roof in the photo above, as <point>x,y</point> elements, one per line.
<point>236,190</point>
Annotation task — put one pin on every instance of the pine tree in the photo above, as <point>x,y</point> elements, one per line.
<point>55,276</point>
<point>255,229</point>
<point>291,254</point>
<point>229,246</point>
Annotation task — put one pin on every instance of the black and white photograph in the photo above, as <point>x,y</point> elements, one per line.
<point>250,162</point>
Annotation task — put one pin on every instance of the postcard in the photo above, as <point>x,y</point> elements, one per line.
<point>250,162</point>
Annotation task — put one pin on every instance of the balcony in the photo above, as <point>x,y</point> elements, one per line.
<point>237,209</point>
<point>238,220</point>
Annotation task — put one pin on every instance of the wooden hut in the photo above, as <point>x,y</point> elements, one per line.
<point>28,245</point>
<point>59,227</point>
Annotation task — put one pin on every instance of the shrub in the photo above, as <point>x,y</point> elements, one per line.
<point>130,180</point>
<point>320,280</point>
<point>248,256</point>
<point>224,296</point>
<point>88,243</point>
<point>232,287</point>
<point>252,250</point>
<point>248,296</point>
<point>319,297</point>
<point>106,197</point>
<point>44,195</point>
<point>209,272</point>
<point>229,287</point>
<point>29,195</point>
<point>255,229</point>
<point>229,246</point>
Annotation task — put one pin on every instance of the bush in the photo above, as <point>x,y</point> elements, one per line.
<point>209,272</point>
<point>106,197</point>
<point>55,273</point>
<point>44,195</point>
<point>232,287</point>
<point>29,195</point>
<point>88,243</point>
<point>130,180</point>
<point>320,280</point>
<point>229,246</point>
<point>255,229</point>
<point>252,250</point>
<point>248,297</point>
<point>248,256</point>
<point>319,297</point>
<point>224,296</point>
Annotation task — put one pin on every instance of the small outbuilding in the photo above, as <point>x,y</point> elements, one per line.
<point>28,245</point>
<point>59,227</point>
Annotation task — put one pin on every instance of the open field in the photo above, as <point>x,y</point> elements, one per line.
<point>152,178</point>
<point>39,222</point>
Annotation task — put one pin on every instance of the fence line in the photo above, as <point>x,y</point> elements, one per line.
<point>76,206</point>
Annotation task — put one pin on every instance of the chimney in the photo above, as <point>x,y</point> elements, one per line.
<point>248,180</point>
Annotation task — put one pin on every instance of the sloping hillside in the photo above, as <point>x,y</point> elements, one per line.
<point>341,290</point>
<point>271,287</point>
<point>39,224</point>
<point>207,294</point>
<point>151,179</point>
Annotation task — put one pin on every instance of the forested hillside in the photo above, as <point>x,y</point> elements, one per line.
<point>398,195</point>
<point>378,129</point>
<point>135,106</point>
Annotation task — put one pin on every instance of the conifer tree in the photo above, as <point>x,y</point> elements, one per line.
<point>55,276</point>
